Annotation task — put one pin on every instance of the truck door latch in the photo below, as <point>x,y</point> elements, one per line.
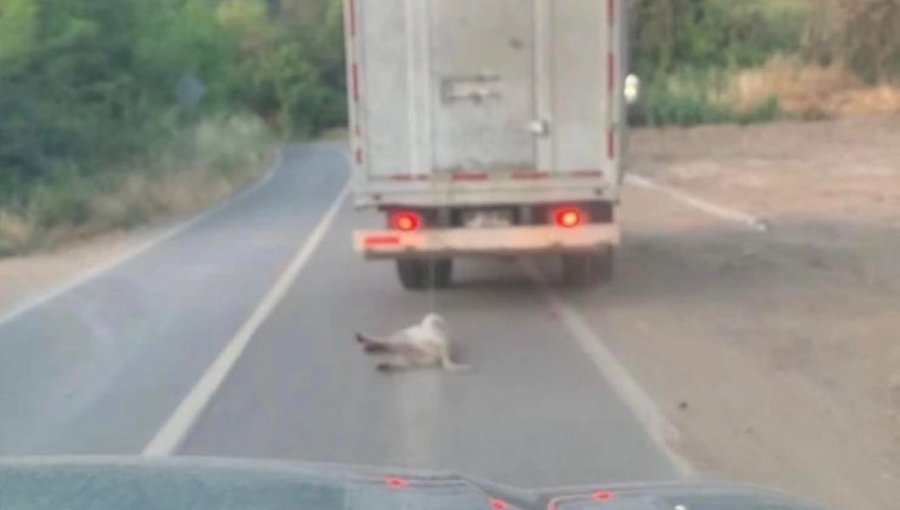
<point>539,127</point>
<point>476,88</point>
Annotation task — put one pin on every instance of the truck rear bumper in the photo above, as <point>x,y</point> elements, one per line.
<point>391,244</point>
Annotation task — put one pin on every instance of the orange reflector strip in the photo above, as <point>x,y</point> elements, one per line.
<point>527,175</point>
<point>611,144</point>
<point>480,176</point>
<point>409,177</point>
<point>611,71</point>
<point>352,9</point>
<point>354,72</point>
<point>382,240</point>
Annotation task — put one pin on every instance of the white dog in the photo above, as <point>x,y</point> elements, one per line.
<point>424,345</point>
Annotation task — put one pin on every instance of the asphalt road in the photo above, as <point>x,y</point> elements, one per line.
<point>100,368</point>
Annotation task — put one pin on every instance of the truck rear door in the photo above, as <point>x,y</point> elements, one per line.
<point>518,99</point>
<point>482,55</point>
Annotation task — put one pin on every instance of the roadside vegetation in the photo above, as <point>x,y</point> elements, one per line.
<point>114,113</point>
<point>708,61</point>
<point>202,164</point>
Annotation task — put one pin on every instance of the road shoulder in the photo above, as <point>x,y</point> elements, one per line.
<point>28,277</point>
<point>774,352</point>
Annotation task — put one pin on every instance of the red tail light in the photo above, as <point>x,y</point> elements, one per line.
<point>406,221</point>
<point>568,217</point>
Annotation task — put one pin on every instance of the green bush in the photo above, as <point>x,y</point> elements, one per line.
<point>670,35</point>
<point>64,200</point>
<point>683,110</point>
<point>686,50</point>
<point>198,165</point>
<point>690,98</point>
<point>86,86</point>
<point>669,108</point>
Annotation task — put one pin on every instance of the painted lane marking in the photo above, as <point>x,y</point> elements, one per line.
<point>710,208</point>
<point>662,432</point>
<point>170,437</point>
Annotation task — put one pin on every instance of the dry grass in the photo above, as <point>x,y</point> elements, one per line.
<point>209,164</point>
<point>142,198</point>
<point>813,92</point>
<point>15,232</point>
<point>336,134</point>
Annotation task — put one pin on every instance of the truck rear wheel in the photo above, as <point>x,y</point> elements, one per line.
<point>418,274</point>
<point>588,269</point>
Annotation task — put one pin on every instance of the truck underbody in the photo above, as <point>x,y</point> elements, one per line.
<point>424,242</point>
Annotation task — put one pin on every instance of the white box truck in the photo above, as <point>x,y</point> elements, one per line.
<point>487,128</point>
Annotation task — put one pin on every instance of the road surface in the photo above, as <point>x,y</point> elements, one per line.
<point>101,367</point>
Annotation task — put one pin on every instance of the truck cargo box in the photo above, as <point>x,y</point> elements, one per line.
<point>468,102</point>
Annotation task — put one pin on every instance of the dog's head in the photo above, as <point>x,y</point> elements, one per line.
<point>434,321</point>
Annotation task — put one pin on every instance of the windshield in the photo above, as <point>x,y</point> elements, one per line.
<point>545,243</point>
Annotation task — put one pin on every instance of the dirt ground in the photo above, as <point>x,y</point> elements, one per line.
<point>777,354</point>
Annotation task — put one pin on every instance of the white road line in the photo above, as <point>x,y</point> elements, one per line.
<point>700,204</point>
<point>142,248</point>
<point>659,428</point>
<point>173,433</point>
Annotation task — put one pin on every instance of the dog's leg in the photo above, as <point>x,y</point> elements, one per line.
<point>394,364</point>
<point>373,345</point>
<point>363,339</point>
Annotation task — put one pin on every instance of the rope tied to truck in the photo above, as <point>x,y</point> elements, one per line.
<point>432,287</point>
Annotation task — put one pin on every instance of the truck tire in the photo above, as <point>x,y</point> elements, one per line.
<point>576,270</point>
<point>605,266</point>
<point>584,270</point>
<point>418,274</point>
<point>410,273</point>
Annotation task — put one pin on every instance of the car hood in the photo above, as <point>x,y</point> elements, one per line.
<point>203,483</point>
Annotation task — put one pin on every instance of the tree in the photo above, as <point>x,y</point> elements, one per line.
<point>86,84</point>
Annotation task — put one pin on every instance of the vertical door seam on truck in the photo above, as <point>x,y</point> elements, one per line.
<point>612,108</point>
<point>412,119</point>
<point>356,60</point>
<point>541,85</point>
<point>349,41</point>
<point>552,99</point>
<point>425,45</point>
